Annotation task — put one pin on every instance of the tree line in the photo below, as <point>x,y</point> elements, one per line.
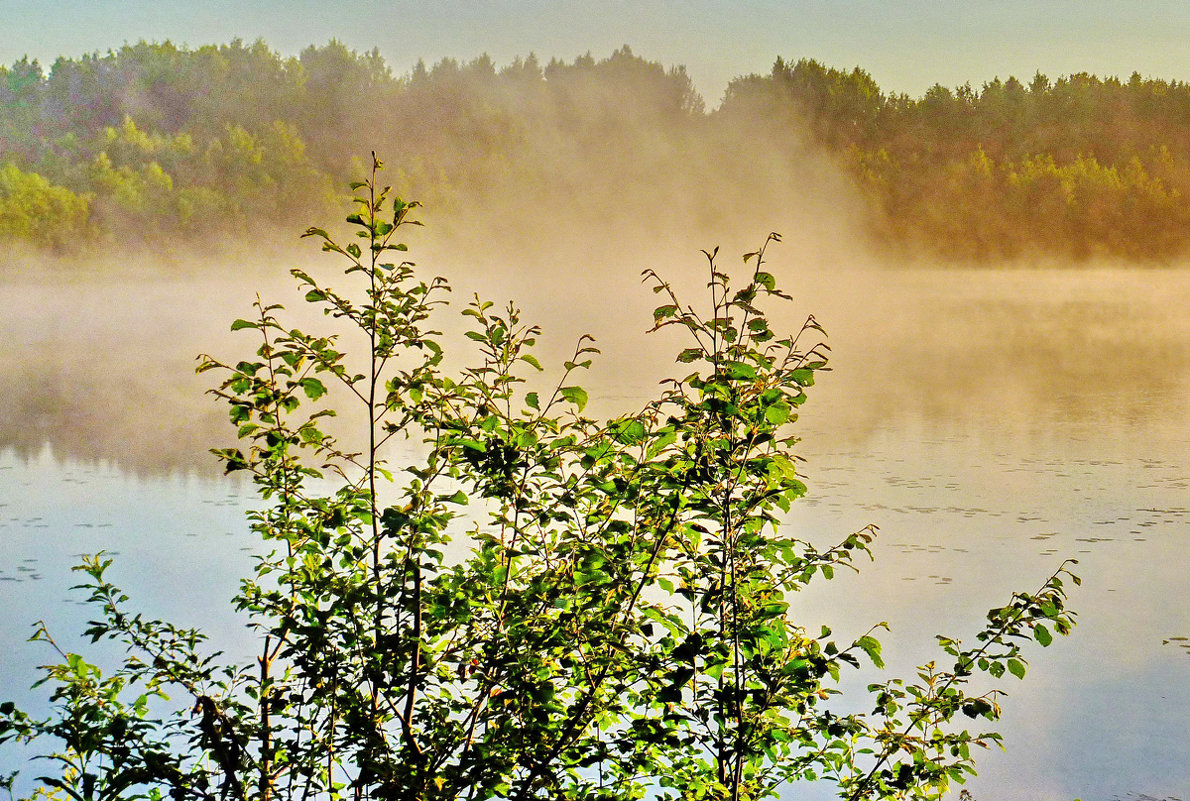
<point>155,140</point>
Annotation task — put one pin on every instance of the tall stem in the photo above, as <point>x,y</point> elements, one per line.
<point>266,743</point>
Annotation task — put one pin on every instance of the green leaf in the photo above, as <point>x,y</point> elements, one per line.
<point>628,432</point>
<point>576,395</point>
<point>1017,668</point>
<point>313,388</point>
<point>689,355</point>
<point>785,466</point>
<point>241,324</point>
<point>871,646</point>
<point>664,439</point>
<point>740,370</point>
<point>1042,635</point>
<point>532,401</point>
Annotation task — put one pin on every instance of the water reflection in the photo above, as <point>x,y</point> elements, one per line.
<point>179,543</point>
<point>105,372</point>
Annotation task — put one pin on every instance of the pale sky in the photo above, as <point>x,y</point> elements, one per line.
<point>907,45</point>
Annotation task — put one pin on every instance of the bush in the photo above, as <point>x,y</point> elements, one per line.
<point>33,209</point>
<point>609,620</point>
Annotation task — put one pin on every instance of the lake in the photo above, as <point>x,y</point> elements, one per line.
<point>991,422</point>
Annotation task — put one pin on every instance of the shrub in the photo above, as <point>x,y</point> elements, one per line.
<point>33,209</point>
<point>608,620</point>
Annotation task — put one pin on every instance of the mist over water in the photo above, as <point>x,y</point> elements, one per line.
<point>103,369</point>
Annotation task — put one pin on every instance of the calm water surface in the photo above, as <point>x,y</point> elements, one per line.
<point>991,423</point>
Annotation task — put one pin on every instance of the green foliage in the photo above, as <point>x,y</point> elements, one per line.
<point>1080,166</point>
<point>536,605</point>
<point>239,137</point>
<point>33,209</point>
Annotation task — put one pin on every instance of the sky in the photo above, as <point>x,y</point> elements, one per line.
<point>907,45</point>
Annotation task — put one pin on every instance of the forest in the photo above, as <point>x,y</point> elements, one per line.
<point>155,142</point>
